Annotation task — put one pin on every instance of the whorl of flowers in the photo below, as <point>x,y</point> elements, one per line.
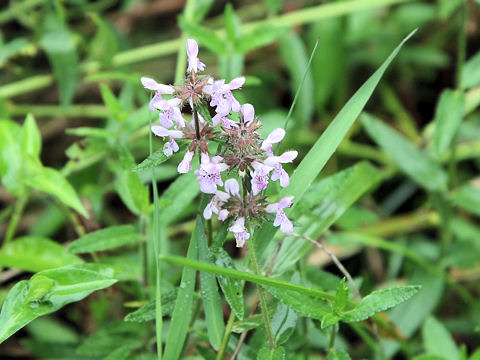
<point>242,154</point>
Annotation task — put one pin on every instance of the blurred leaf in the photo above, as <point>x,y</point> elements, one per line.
<point>48,291</point>
<point>212,302</point>
<point>183,305</point>
<point>54,183</point>
<point>105,239</point>
<point>232,24</point>
<point>428,357</point>
<point>379,300</point>
<point>283,323</point>
<point>202,8</point>
<point>337,355</point>
<point>31,139</point>
<point>448,117</point>
<point>406,156</point>
<point>296,59</point>
<point>437,340</point>
<point>231,288</point>
<point>263,36</point>
<point>11,156</point>
<point>271,354</point>
<point>104,45</point>
<point>204,36</point>
<point>471,72</point>
<point>92,132</point>
<point>114,106</point>
<point>147,312</point>
<point>326,145</point>
<point>34,254</point>
<point>48,329</point>
<point>468,197</point>
<point>12,48</point>
<point>447,7</point>
<point>58,43</point>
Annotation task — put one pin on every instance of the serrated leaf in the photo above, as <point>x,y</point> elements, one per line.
<point>147,312</point>
<point>271,354</point>
<point>31,139</point>
<point>412,161</point>
<point>329,320</point>
<point>437,340</point>
<point>204,36</point>
<point>448,117</point>
<point>379,300</point>
<point>231,288</point>
<point>105,239</point>
<point>212,302</point>
<point>54,183</point>
<point>259,37</point>
<point>154,160</point>
<point>33,253</point>
<point>48,291</point>
<point>341,297</point>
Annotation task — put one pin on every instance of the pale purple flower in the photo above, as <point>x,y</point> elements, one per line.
<point>281,218</point>
<point>274,137</point>
<point>279,172</point>
<point>214,206</point>
<point>170,113</point>
<point>222,96</point>
<point>185,165</point>
<point>209,174</point>
<point>226,122</point>
<point>231,185</point>
<point>248,112</point>
<point>171,146</point>
<point>194,64</point>
<point>239,231</point>
<point>160,89</point>
<point>259,177</point>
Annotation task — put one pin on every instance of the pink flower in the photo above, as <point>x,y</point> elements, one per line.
<point>281,218</point>
<point>170,113</point>
<point>185,165</point>
<point>259,177</point>
<point>248,112</point>
<point>239,231</point>
<point>276,162</point>
<point>214,206</point>
<point>274,137</point>
<point>209,175</point>
<point>171,146</point>
<point>194,64</point>
<point>160,89</point>
<point>226,122</point>
<point>231,185</point>
<point>222,96</point>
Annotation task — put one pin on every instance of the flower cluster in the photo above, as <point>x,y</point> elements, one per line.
<point>241,156</point>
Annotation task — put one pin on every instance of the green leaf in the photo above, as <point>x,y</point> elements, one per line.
<point>104,45</point>
<point>271,354</point>
<point>92,132</point>
<point>105,239</point>
<point>437,340</point>
<point>48,291</point>
<point>59,45</point>
<point>183,305</point>
<point>147,312</point>
<point>341,297</point>
<point>212,302</point>
<point>326,145</point>
<point>338,355</point>
<point>283,323</point>
<point>154,160</point>
<point>329,319</point>
<point>471,72</point>
<point>295,57</point>
<point>11,160</point>
<point>231,288</point>
<point>202,109</point>
<point>380,300</point>
<point>467,197</point>
<point>204,36</point>
<point>249,323</point>
<point>232,24</point>
<point>54,183</point>
<point>260,37</point>
<point>32,253</point>
<point>414,162</point>
<point>448,118</point>
<point>201,9</point>
<point>114,106</point>
<point>31,140</point>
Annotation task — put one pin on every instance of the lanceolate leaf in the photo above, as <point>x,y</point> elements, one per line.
<point>148,311</point>
<point>414,162</point>
<point>437,340</point>
<point>326,145</point>
<point>105,239</point>
<point>32,253</point>
<point>468,197</point>
<point>48,291</point>
<point>380,300</point>
<point>154,160</point>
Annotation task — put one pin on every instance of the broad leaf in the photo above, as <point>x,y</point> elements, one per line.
<point>271,354</point>
<point>32,253</point>
<point>437,340</point>
<point>48,291</point>
<point>414,162</point>
<point>283,323</point>
<point>105,239</point>
<point>379,300</point>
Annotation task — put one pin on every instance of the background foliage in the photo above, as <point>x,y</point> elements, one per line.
<point>393,193</point>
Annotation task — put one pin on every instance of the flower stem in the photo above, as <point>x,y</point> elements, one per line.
<point>226,336</point>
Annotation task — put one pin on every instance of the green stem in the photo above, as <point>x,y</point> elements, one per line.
<point>226,336</point>
<point>17,214</point>
<point>333,334</point>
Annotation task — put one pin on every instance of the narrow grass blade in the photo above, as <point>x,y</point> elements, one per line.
<point>326,145</point>
<point>212,302</point>
<point>183,306</point>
